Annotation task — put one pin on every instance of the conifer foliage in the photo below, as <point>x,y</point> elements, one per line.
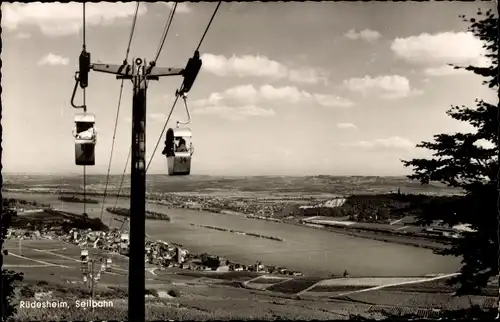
<point>470,161</point>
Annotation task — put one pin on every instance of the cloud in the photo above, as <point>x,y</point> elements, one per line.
<point>267,94</point>
<point>307,76</point>
<point>182,7</point>
<point>53,59</point>
<point>62,19</point>
<point>441,48</point>
<point>259,66</point>
<point>346,126</point>
<point>246,100</point>
<point>244,66</point>
<point>367,34</point>
<point>387,87</point>
<point>331,100</point>
<point>287,94</point>
<point>157,117</point>
<point>235,113</point>
<point>391,143</point>
<point>23,35</point>
<point>444,70</point>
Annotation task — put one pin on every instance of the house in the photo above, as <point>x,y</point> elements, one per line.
<point>464,227</point>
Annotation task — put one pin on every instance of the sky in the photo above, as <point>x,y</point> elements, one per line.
<point>297,88</point>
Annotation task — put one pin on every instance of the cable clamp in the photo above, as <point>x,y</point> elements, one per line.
<point>181,93</point>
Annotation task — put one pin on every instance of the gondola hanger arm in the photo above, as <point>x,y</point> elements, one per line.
<point>77,81</point>
<point>184,98</point>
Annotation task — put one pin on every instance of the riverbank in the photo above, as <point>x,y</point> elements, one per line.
<point>386,236</point>
<point>367,232</point>
<point>326,252</point>
<point>380,235</point>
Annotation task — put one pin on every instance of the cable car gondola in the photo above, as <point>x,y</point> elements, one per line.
<point>85,139</point>
<point>178,150</point>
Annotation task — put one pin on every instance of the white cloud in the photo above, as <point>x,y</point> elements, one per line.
<point>182,7</point>
<point>399,95</point>
<point>391,143</point>
<point>259,66</point>
<point>346,126</point>
<point>23,35</point>
<point>235,113</point>
<point>331,100</point>
<point>367,34</point>
<point>444,70</point>
<point>267,94</point>
<point>246,100</point>
<point>157,117</point>
<point>53,59</point>
<point>307,76</point>
<point>62,19</point>
<point>244,66</point>
<point>285,94</point>
<point>244,93</point>
<point>440,48</point>
<point>388,87</point>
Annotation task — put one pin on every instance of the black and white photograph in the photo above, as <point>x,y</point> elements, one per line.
<point>196,161</point>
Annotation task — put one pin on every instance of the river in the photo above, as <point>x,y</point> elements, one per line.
<point>311,251</point>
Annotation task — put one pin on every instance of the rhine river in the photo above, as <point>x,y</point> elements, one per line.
<point>311,251</point>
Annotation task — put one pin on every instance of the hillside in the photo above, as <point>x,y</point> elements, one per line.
<point>277,184</point>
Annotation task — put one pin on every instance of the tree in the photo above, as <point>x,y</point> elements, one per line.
<point>460,160</point>
<point>9,279</point>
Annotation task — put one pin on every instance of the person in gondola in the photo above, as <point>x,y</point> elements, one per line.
<point>182,145</point>
<point>165,149</point>
<point>168,149</point>
<point>88,134</point>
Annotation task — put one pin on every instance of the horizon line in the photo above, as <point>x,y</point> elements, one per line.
<point>204,175</point>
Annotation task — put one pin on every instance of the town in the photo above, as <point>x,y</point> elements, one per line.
<point>116,241</point>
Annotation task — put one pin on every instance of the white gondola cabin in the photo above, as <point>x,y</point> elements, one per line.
<point>178,150</point>
<point>84,255</point>
<point>85,139</point>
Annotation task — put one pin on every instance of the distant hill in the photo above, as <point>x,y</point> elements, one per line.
<point>278,184</point>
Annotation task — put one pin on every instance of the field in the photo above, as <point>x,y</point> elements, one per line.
<point>294,285</point>
<point>55,266</point>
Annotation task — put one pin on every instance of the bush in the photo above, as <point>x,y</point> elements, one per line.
<point>27,291</point>
<point>174,293</point>
<point>9,280</point>
<point>116,292</point>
